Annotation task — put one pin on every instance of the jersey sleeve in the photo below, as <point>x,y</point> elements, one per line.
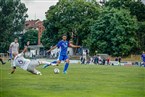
<point>68,44</point>
<point>11,44</point>
<point>59,44</point>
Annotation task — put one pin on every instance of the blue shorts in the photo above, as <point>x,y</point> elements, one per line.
<point>62,57</point>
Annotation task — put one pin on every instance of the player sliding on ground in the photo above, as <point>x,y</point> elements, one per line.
<point>63,45</point>
<point>26,64</point>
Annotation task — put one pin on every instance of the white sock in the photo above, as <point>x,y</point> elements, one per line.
<point>44,62</point>
<point>39,73</point>
<point>53,64</point>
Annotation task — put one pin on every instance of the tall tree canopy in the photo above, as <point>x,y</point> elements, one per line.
<point>12,19</point>
<point>113,33</point>
<point>136,8</point>
<point>72,17</point>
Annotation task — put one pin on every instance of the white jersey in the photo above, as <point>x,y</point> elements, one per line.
<point>21,62</point>
<point>14,47</point>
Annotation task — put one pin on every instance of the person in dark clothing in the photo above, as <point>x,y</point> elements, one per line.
<point>2,61</point>
<point>116,59</point>
<point>143,58</point>
<point>96,60</point>
<point>83,61</point>
<point>119,59</point>
<point>103,61</point>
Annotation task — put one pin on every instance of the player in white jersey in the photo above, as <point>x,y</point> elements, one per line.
<point>26,64</point>
<point>14,46</point>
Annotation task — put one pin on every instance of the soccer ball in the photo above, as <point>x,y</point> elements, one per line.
<point>56,70</point>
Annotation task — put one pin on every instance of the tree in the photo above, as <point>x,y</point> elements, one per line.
<point>12,19</point>
<point>72,17</point>
<point>141,35</point>
<point>32,36</point>
<point>136,8</point>
<point>113,33</point>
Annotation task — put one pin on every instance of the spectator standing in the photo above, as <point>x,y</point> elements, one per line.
<point>108,61</point>
<point>99,60</point>
<point>119,59</point>
<point>116,59</point>
<point>143,58</point>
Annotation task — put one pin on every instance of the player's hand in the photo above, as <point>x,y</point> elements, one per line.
<point>79,46</point>
<point>28,43</point>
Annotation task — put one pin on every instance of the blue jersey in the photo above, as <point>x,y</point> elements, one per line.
<point>143,57</point>
<point>63,45</point>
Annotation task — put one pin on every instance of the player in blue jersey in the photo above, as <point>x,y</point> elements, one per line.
<point>143,58</point>
<point>63,45</point>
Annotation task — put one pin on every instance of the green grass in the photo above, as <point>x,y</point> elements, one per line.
<point>81,81</point>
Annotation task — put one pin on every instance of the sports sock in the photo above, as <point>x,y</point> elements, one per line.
<point>54,63</point>
<point>44,62</point>
<point>66,67</point>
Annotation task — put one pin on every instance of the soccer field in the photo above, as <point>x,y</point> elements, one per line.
<point>81,81</point>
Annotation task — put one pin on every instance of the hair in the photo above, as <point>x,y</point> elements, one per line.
<point>64,35</point>
<point>16,38</point>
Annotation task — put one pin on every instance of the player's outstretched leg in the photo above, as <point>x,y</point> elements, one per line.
<point>37,72</point>
<point>32,67</point>
<point>48,64</point>
<point>66,66</point>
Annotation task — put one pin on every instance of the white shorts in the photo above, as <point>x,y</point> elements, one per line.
<point>14,52</point>
<point>32,66</point>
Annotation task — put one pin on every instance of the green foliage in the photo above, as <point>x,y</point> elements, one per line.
<point>12,19</point>
<point>113,33</point>
<point>136,8</point>
<point>141,35</point>
<point>69,16</point>
<point>32,36</point>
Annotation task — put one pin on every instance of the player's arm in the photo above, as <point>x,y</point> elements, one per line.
<point>74,46</point>
<point>52,48</point>
<point>26,47</point>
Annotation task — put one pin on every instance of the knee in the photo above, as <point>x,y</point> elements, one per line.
<point>58,62</point>
<point>67,61</point>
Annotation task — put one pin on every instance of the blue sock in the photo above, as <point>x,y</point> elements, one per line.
<point>66,67</point>
<point>46,65</point>
<point>54,62</point>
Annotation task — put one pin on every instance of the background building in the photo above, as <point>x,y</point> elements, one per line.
<point>37,25</point>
